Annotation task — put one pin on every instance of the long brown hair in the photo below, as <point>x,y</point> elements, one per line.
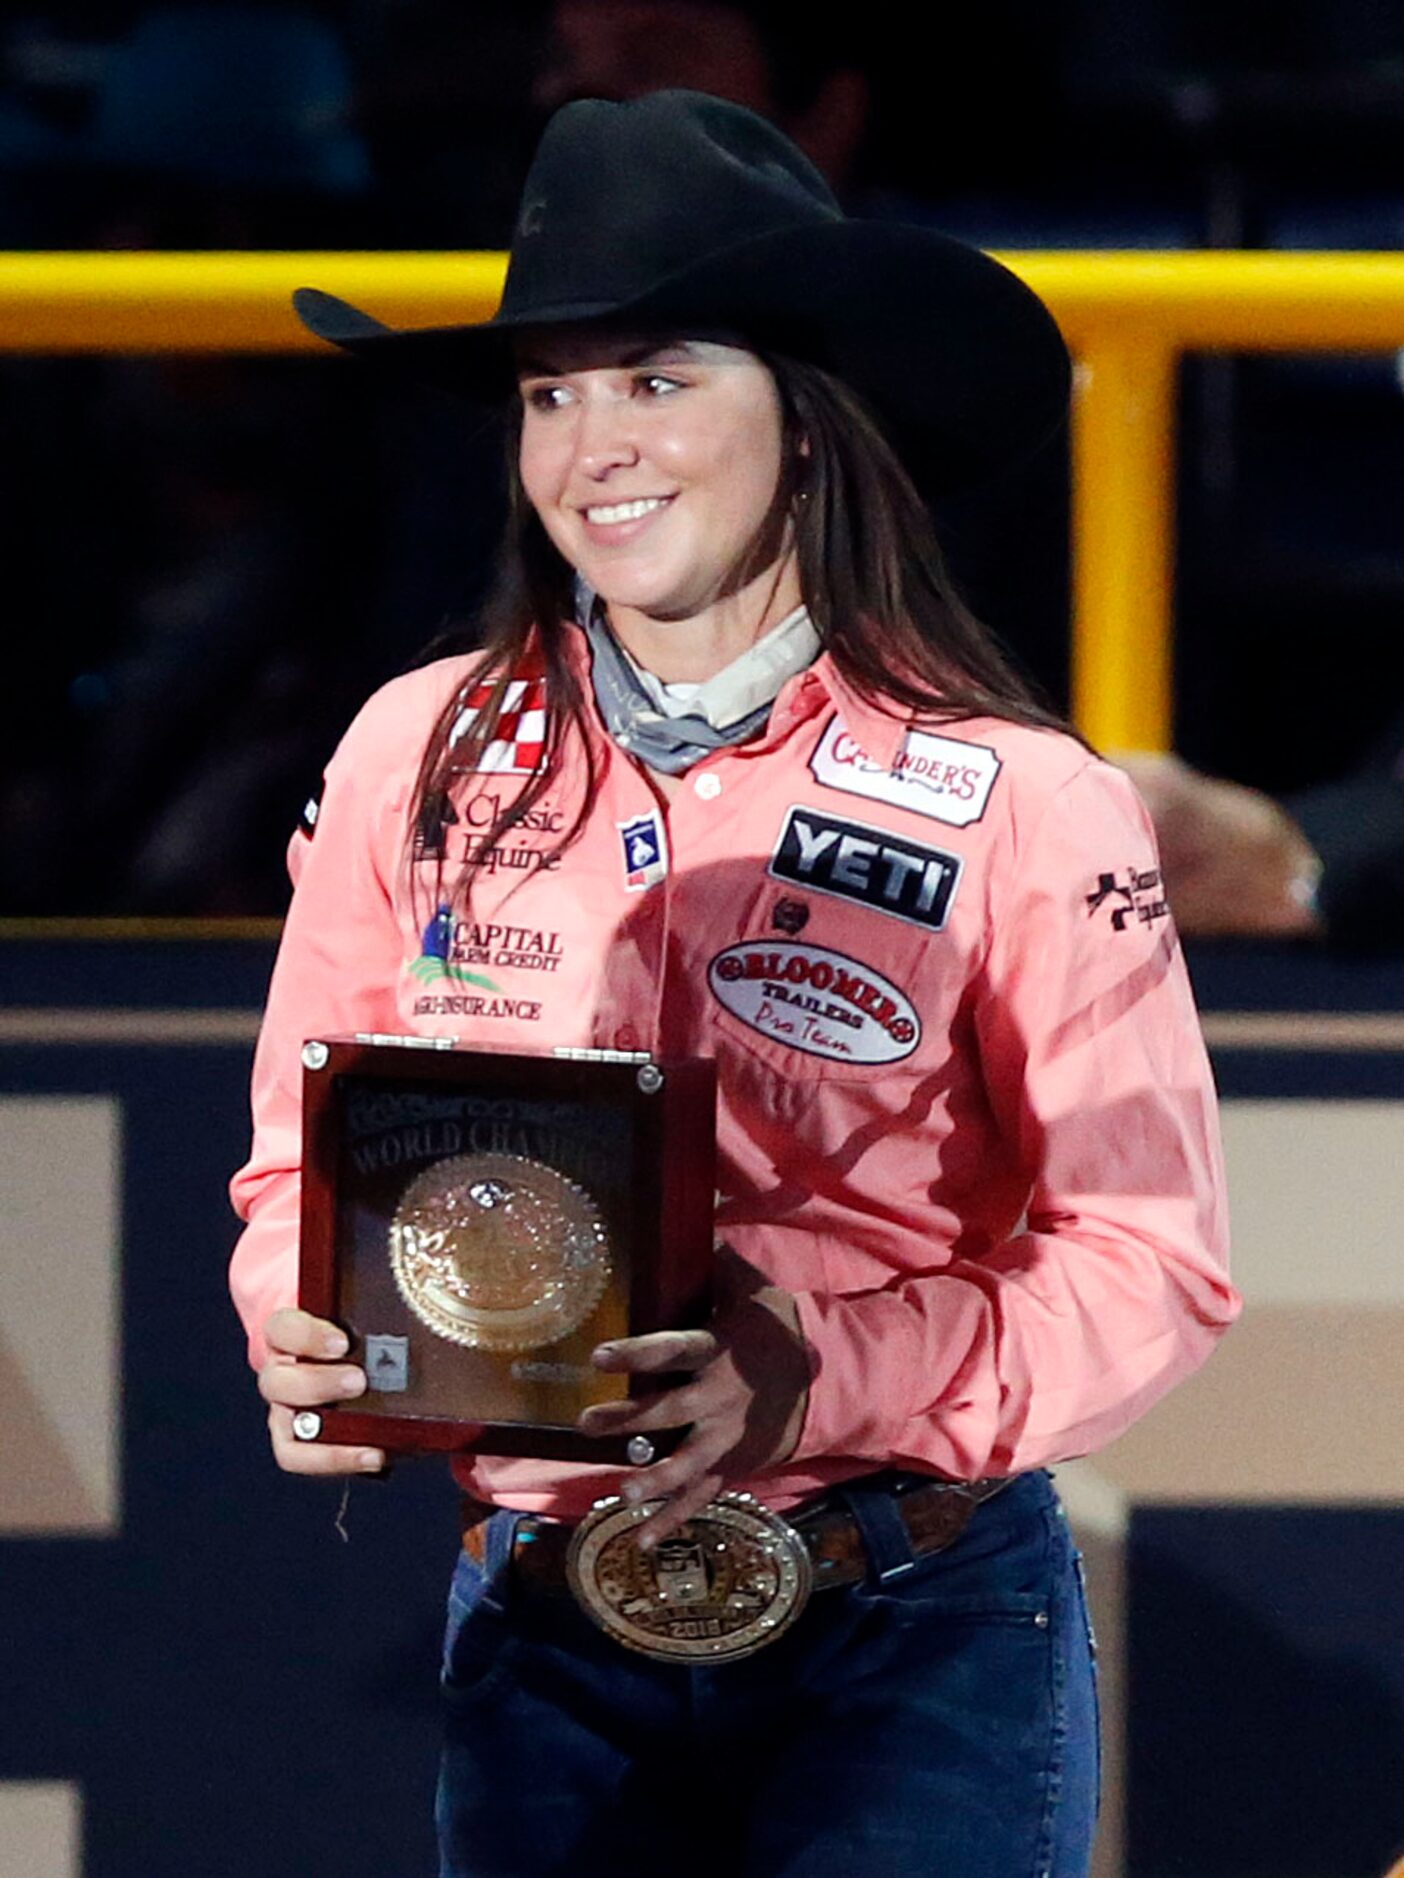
<point>870,571</point>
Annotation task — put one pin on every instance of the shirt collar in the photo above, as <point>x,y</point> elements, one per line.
<point>880,733</point>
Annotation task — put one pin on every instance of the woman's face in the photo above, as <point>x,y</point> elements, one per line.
<point>653,466</point>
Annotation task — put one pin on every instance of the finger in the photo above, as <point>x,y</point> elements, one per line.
<point>659,1351</point>
<point>677,1511</point>
<point>692,1460</point>
<point>691,1474</point>
<point>735,1277</point>
<point>311,1457</point>
<point>298,1333</point>
<point>303,1385</point>
<point>674,1408</point>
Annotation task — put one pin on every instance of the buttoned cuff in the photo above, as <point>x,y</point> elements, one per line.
<point>880,1392</point>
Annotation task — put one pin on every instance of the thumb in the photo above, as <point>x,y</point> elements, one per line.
<point>734,1278</point>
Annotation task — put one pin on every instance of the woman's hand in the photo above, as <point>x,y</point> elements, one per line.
<point>302,1371</point>
<point>745,1402</point>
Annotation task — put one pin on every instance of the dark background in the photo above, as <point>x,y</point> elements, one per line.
<point>210,562</point>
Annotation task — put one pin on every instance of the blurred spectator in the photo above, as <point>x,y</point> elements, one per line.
<point>224,126</point>
<point>231,96</point>
<point>800,66</point>
<point>1324,863</point>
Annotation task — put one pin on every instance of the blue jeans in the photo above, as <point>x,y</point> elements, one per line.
<point>941,1723</point>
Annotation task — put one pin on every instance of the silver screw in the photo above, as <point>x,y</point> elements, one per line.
<point>315,1055</point>
<point>650,1079</point>
<point>639,1450</point>
<point>307,1425</point>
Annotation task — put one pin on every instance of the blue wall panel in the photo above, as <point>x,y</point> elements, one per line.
<point>234,1687</point>
<point>1267,1692</point>
<point>237,1690</point>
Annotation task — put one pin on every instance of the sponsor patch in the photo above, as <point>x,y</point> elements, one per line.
<point>509,859</point>
<point>509,948</point>
<point>434,963</point>
<point>811,999</point>
<point>430,970</point>
<point>485,806</point>
<point>518,851</point>
<point>867,865</point>
<point>521,1010</point>
<point>937,776</point>
<point>1135,901</point>
<point>518,747</point>
<point>452,948</point>
<point>645,851</point>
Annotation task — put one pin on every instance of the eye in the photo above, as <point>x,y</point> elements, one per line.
<point>545,397</point>
<point>657,384</point>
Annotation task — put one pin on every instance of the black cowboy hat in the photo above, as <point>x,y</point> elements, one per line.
<point>685,213</point>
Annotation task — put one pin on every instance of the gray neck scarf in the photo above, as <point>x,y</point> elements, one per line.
<point>672,744</point>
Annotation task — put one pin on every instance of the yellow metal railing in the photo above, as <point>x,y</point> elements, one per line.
<point>1128,317</point>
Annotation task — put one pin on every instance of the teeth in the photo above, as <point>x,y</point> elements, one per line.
<point>625,511</point>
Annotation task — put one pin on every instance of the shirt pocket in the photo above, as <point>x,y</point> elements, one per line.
<point>817,991</point>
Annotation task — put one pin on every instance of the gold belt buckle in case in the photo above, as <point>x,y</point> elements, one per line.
<point>729,1581</point>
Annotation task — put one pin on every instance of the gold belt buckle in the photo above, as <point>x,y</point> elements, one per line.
<point>730,1580</point>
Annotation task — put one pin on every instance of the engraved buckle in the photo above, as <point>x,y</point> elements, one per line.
<point>729,1581</point>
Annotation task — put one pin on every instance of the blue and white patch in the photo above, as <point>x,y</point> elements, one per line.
<point>645,851</point>
<point>942,777</point>
<point>869,866</point>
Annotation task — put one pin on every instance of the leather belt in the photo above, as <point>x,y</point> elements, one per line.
<point>934,1514</point>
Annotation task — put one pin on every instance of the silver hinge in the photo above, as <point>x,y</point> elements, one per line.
<point>407,1043</point>
<point>578,1055</point>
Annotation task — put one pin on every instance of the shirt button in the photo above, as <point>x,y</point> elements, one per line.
<point>708,785</point>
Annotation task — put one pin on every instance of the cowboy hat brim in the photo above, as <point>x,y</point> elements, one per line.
<point>962,362</point>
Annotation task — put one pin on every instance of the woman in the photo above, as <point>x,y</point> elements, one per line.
<point>739,768</point>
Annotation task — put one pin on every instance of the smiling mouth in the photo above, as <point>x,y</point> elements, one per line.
<point>606,514</point>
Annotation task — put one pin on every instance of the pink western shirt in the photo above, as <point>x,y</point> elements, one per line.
<point>965,1111</point>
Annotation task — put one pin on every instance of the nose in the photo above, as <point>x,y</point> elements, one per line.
<point>604,436</point>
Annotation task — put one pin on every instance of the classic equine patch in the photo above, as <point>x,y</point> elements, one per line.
<point>869,865</point>
<point>815,1000</point>
<point>937,776</point>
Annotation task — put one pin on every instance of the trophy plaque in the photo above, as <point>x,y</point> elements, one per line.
<point>478,1221</point>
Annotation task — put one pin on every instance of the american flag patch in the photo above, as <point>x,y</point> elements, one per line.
<point>519,746</point>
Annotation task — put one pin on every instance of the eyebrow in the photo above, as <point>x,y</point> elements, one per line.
<point>671,352</point>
